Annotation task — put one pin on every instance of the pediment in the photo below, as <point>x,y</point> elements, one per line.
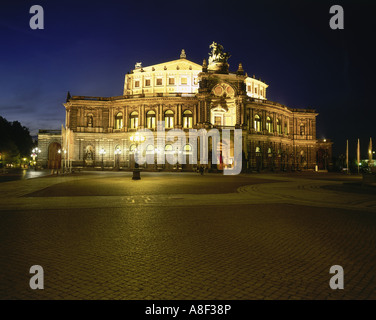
<point>180,64</point>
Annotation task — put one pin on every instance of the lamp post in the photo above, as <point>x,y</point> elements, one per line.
<point>136,138</point>
<point>117,155</point>
<point>64,165</point>
<point>59,152</point>
<point>102,152</point>
<point>34,155</point>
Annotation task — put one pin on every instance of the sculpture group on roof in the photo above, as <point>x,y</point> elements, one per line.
<point>217,54</point>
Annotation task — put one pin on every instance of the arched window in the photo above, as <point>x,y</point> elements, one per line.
<point>168,148</point>
<point>187,119</point>
<point>132,148</point>
<point>134,120</point>
<point>302,130</point>
<point>258,150</point>
<point>257,123</point>
<point>90,120</point>
<point>187,148</point>
<point>169,119</point>
<point>117,151</point>
<point>119,121</point>
<point>286,129</point>
<point>279,127</point>
<point>269,124</point>
<point>302,158</point>
<point>150,119</point>
<point>269,150</point>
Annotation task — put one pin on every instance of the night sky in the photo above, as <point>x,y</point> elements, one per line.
<point>88,46</point>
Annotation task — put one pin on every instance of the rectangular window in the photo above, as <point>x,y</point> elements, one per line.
<point>258,125</point>
<point>218,121</point>
<point>169,122</point>
<point>159,81</point>
<point>184,80</point>
<point>147,83</point>
<point>134,123</point>
<point>151,122</point>
<point>119,124</point>
<point>256,90</point>
<point>136,84</point>
<point>249,88</point>
<point>187,122</point>
<point>171,81</point>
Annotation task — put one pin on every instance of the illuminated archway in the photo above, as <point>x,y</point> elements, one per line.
<point>54,156</point>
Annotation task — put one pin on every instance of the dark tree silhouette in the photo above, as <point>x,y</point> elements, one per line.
<point>15,141</point>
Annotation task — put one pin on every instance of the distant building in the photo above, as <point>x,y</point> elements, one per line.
<point>186,95</point>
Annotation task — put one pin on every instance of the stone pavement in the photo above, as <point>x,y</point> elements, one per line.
<point>184,236</point>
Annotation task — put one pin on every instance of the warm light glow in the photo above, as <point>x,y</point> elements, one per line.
<point>137,137</point>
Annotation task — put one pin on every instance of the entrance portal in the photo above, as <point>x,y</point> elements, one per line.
<point>54,156</point>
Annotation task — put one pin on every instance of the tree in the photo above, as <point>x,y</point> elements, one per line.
<point>15,141</point>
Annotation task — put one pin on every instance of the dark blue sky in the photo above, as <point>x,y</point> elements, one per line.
<point>88,46</point>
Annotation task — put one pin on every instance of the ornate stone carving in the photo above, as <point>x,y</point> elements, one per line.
<point>217,54</point>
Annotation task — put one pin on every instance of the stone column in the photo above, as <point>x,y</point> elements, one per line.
<point>252,118</point>
<point>142,116</point>
<point>205,111</point>
<point>194,115</point>
<point>238,113</point>
<point>245,112</point>
<point>198,112</point>
<point>139,116</point>
<point>263,121</point>
<point>160,111</point>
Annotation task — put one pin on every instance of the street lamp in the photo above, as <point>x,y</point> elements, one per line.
<point>136,138</point>
<point>102,152</point>
<point>117,155</point>
<point>64,165</point>
<point>34,154</point>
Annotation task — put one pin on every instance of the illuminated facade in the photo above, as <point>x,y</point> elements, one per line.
<point>98,130</point>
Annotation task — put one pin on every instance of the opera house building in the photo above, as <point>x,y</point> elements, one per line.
<point>100,132</point>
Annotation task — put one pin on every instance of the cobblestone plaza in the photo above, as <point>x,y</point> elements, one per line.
<point>101,235</point>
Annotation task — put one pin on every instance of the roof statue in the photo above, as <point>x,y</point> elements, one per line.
<point>218,59</point>
<point>217,54</point>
